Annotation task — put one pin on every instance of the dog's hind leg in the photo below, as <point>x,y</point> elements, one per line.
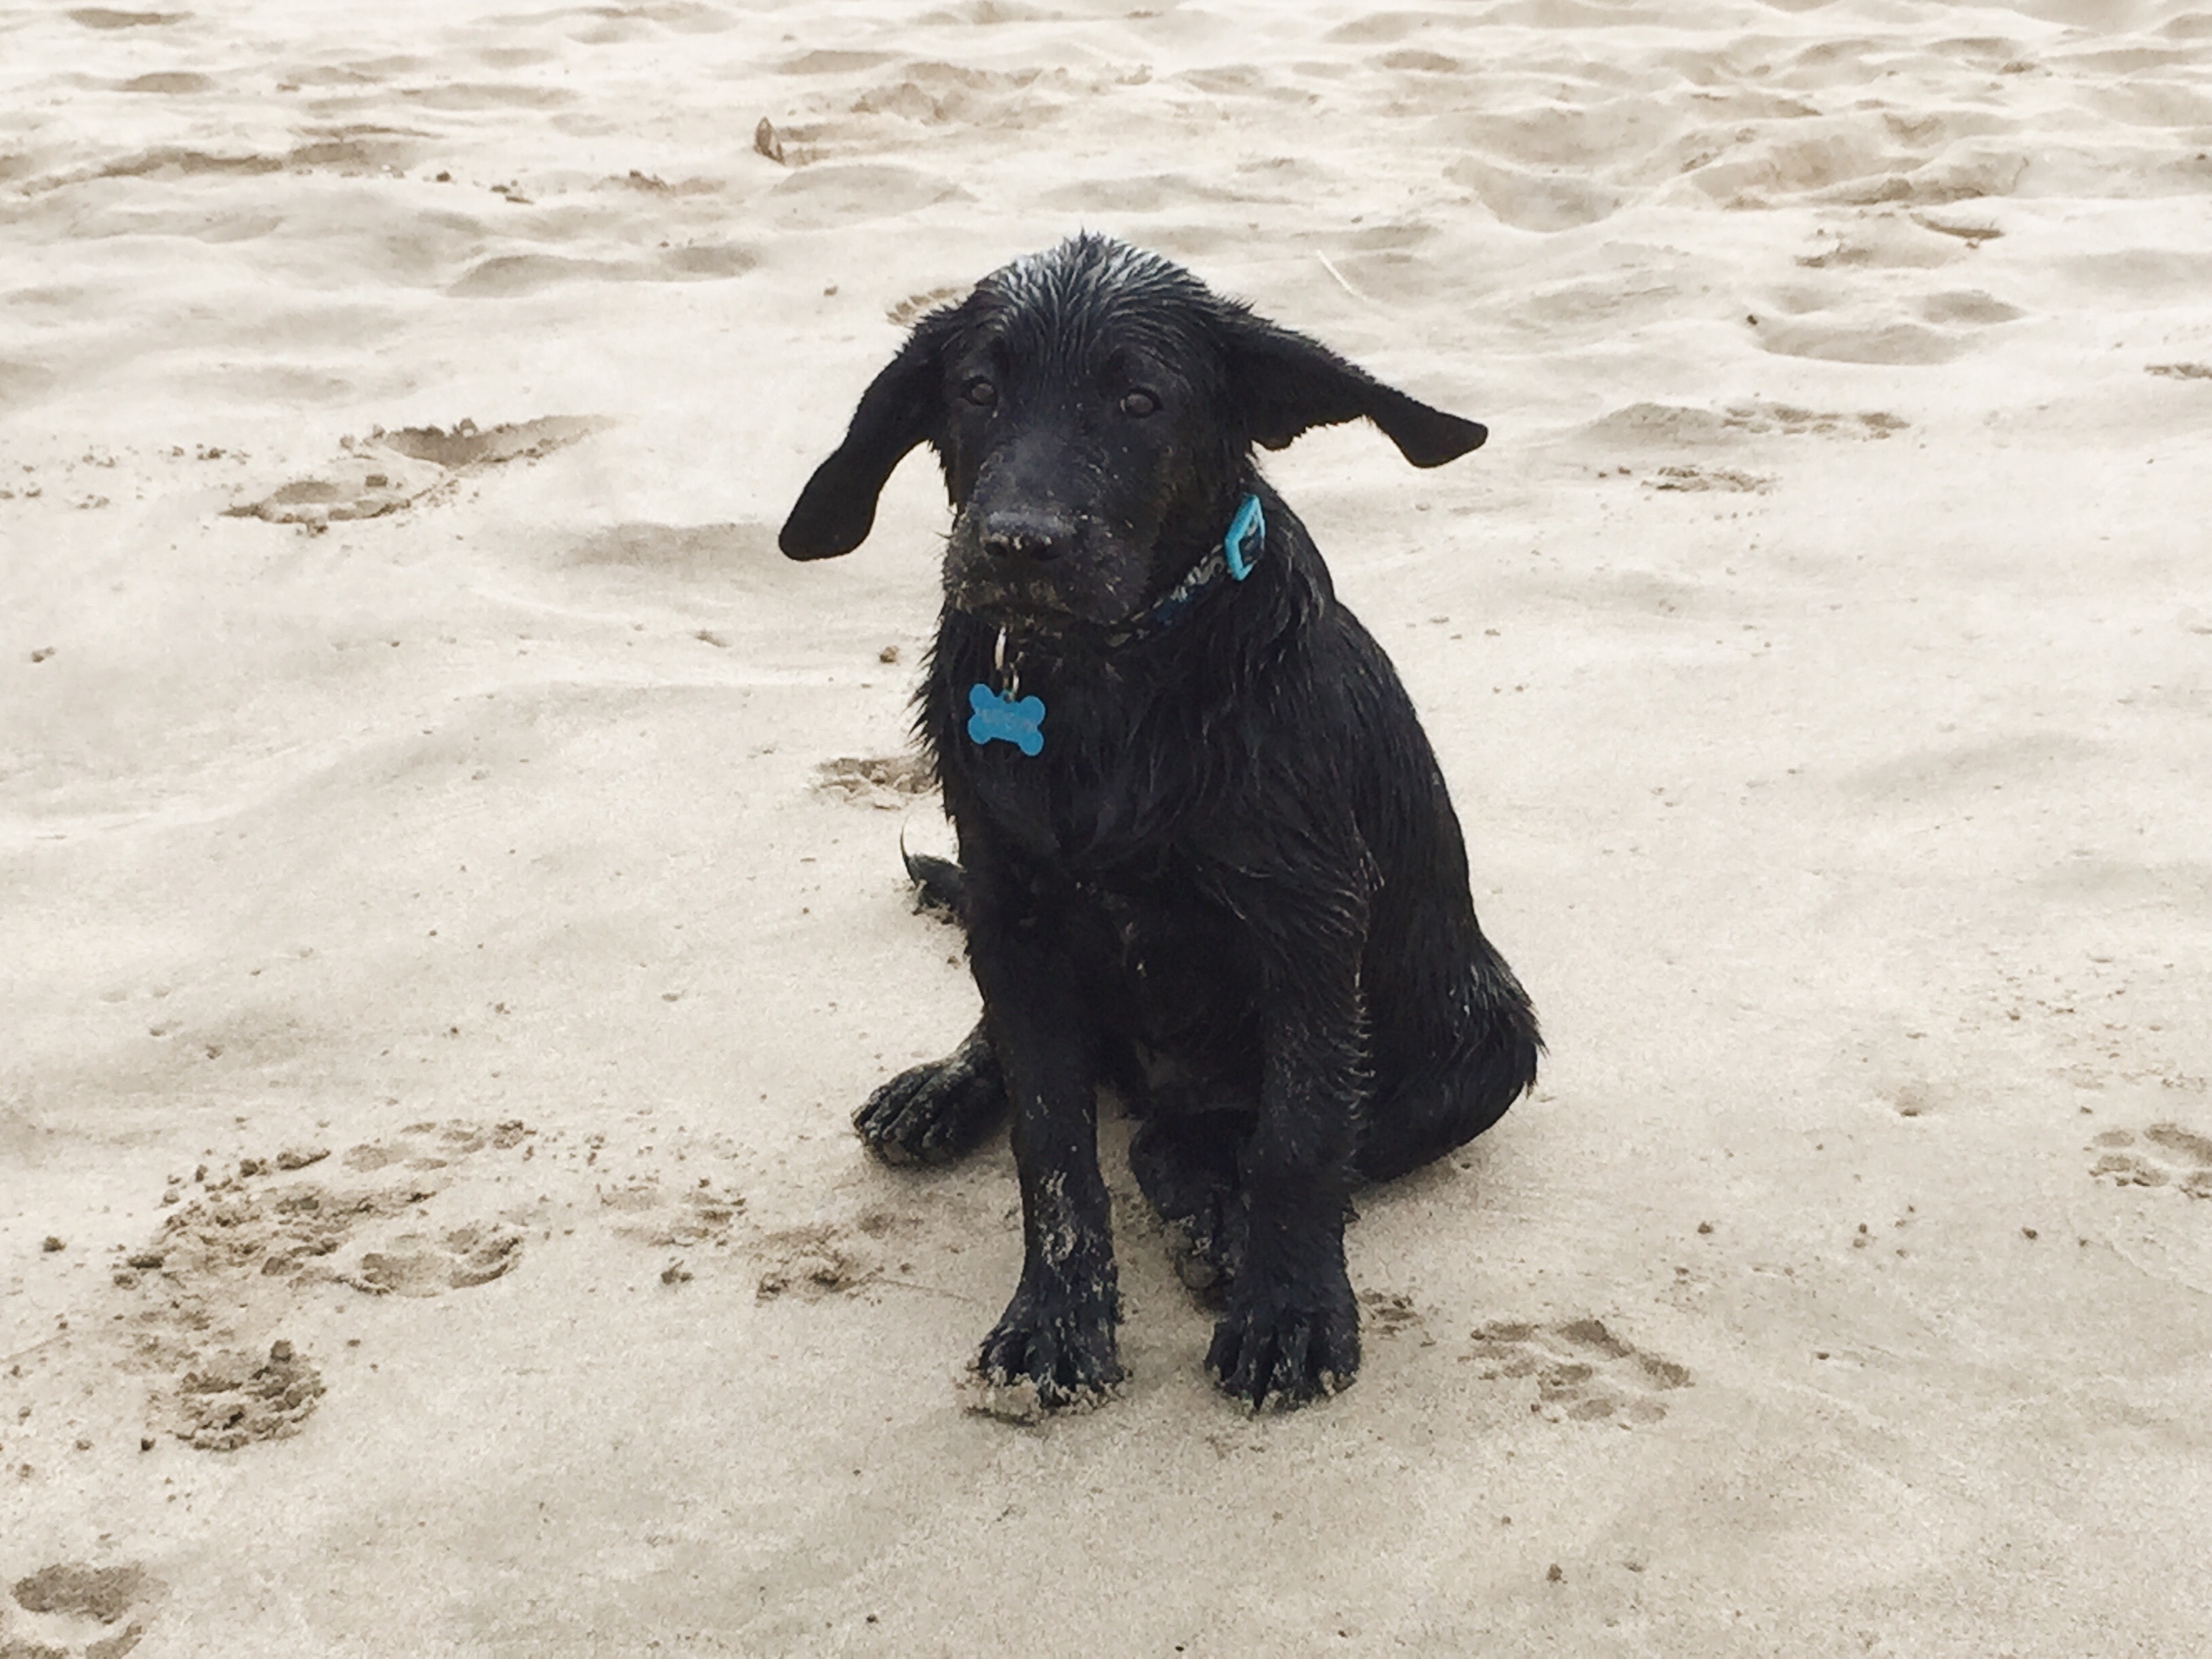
<point>1187,1166</point>
<point>939,1111</point>
<point>1444,1102</point>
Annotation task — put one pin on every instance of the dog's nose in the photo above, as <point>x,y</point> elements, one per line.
<point>1030,533</point>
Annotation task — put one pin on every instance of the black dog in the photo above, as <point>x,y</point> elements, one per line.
<point>1205,853</point>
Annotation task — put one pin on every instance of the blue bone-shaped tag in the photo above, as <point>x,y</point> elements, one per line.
<point>1248,534</point>
<point>1010,720</point>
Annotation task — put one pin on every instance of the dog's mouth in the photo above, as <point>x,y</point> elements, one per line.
<point>1017,612</point>
<point>1019,606</point>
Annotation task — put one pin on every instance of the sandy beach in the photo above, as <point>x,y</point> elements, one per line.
<point>450,891</point>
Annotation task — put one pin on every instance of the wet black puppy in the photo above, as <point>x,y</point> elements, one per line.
<point>1205,853</point>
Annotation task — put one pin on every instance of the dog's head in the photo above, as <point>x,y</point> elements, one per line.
<point>1094,407</point>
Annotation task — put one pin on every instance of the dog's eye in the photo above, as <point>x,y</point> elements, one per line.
<point>1138,403</point>
<point>979,392</point>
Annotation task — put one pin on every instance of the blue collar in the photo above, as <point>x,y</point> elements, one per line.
<point>1241,545</point>
<point>1000,715</point>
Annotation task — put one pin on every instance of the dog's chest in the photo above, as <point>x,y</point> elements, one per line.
<point>1103,791</point>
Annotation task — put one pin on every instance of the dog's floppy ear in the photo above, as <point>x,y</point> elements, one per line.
<point>1283,383</point>
<point>899,410</point>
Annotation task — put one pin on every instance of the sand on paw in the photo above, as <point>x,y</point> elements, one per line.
<point>1009,1402</point>
<point>1020,1401</point>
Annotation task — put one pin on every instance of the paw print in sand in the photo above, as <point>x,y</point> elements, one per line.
<point>2165,1155</point>
<point>425,1146</point>
<point>886,781</point>
<point>70,1611</point>
<point>652,1214</point>
<point>388,472</point>
<point>233,1400</point>
<point>1583,1371</point>
<point>418,1264</point>
<point>1387,1313</point>
<point>206,1298</point>
<point>812,1262</point>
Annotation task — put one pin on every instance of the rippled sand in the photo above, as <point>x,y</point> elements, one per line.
<point>449,886</point>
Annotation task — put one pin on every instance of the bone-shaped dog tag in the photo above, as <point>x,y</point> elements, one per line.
<point>1009,719</point>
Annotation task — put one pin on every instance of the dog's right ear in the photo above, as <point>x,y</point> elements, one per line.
<point>900,407</point>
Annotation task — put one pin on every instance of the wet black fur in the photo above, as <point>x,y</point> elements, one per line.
<point>1232,886</point>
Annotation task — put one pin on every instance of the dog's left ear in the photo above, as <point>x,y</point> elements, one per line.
<point>1283,383</point>
<point>899,410</point>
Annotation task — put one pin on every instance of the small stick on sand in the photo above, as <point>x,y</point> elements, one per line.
<point>1339,275</point>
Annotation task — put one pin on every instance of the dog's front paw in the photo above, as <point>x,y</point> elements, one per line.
<point>1059,1352</point>
<point>935,1113</point>
<point>1281,1351</point>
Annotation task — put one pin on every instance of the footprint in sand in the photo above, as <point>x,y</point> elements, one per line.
<point>387,471</point>
<point>1679,425</point>
<point>1583,1371</point>
<point>101,17</point>
<point>1789,418</point>
<point>432,1146</point>
<point>651,1214</point>
<point>1699,479</point>
<point>2166,1155</point>
<point>909,311</point>
<point>70,1611</point>
<point>213,1286</point>
<point>818,1260</point>
<point>884,781</point>
<point>1388,1314</point>
<point>417,1264</point>
<point>232,1399</point>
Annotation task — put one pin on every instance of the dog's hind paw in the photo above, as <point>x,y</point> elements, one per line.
<point>1206,1254</point>
<point>1268,1355</point>
<point>936,1113</point>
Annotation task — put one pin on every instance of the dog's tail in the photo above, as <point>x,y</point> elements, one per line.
<point>939,884</point>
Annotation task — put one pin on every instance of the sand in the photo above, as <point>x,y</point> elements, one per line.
<point>452,895</point>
